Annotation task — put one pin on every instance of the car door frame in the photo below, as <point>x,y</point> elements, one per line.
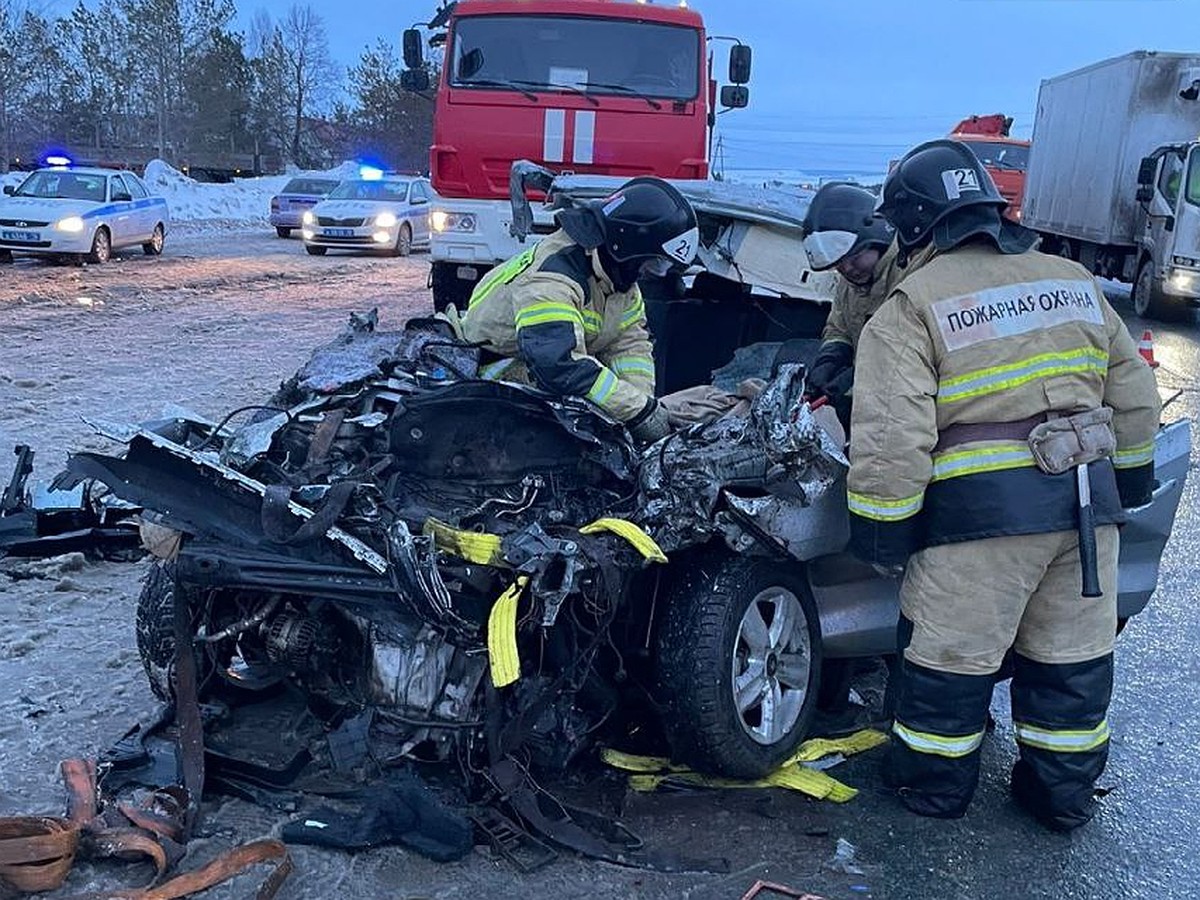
<point>144,217</point>
<point>122,228</point>
<point>418,212</point>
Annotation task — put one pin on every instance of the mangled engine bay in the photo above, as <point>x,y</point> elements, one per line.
<point>466,569</point>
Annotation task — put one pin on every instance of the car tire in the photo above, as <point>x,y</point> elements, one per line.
<point>6,257</point>
<point>101,251</point>
<point>739,665</point>
<point>283,232</point>
<point>154,246</point>
<point>155,632</point>
<point>314,251</point>
<point>403,241</point>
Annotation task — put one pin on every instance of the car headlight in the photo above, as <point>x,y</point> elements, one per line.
<point>73,224</point>
<point>440,221</point>
<point>308,218</point>
<point>385,220</point>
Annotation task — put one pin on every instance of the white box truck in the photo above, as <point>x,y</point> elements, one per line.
<point>1114,174</point>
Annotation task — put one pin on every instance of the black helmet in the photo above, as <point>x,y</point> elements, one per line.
<point>840,222</point>
<point>939,190</point>
<point>646,227</point>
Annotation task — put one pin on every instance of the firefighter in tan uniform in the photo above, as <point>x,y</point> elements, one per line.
<point>997,393</point>
<point>566,315</point>
<point>842,231</point>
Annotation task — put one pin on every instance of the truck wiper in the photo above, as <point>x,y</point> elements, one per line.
<point>563,87</point>
<point>495,82</point>
<point>622,89</point>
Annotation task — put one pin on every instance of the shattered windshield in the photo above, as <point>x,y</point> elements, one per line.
<point>603,56</point>
<point>55,185</point>
<point>380,191</point>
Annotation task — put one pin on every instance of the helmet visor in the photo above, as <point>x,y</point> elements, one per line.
<point>826,248</point>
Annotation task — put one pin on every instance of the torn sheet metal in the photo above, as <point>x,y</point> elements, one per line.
<point>777,455</point>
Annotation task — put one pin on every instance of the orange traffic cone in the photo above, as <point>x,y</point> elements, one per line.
<point>1146,349</point>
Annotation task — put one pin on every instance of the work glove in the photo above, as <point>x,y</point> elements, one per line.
<point>651,424</point>
<point>832,372</point>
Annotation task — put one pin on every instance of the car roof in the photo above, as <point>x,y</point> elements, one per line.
<point>84,170</point>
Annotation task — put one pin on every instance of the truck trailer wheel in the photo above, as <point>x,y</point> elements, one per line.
<point>739,666</point>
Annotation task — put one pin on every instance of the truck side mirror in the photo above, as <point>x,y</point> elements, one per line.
<point>735,96</point>
<point>1147,170</point>
<point>416,80</point>
<point>413,57</point>
<point>739,63</point>
<point>1145,193</point>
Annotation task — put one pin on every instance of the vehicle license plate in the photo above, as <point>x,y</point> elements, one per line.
<point>339,232</point>
<point>19,235</point>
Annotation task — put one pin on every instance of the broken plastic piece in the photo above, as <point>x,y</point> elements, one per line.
<point>502,635</point>
<point>642,542</point>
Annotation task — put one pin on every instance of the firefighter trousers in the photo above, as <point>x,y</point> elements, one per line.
<point>964,606</point>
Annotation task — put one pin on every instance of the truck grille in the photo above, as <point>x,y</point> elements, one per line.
<point>343,223</point>
<point>22,223</point>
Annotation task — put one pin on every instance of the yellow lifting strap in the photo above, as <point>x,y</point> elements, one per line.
<point>641,542</point>
<point>476,547</point>
<point>650,772</point>
<point>503,661</point>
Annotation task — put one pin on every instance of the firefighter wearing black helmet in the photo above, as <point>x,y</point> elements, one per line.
<point>997,396</point>
<point>841,231</point>
<point>566,315</point>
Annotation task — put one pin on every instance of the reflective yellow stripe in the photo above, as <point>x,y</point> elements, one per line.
<point>634,314</point>
<point>1012,375</point>
<point>992,458</point>
<point>502,274</point>
<point>603,387</point>
<point>1066,741</point>
<point>547,311</point>
<point>937,744</point>
<point>884,510</point>
<point>633,365</point>
<point>592,321</point>
<point>1132,457</point>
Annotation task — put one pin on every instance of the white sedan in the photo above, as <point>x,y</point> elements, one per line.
<point>81,212</point>
<point>385,213</point>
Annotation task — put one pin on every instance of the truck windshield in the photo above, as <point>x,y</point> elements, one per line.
<point>601,56</point>
<point>998,155</point>
<point>1193,178</point>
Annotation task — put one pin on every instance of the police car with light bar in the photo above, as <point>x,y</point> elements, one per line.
<point>376,211</point>
<point>65,210</point>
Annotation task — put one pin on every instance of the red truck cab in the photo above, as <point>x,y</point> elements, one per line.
<point>1006,158</point>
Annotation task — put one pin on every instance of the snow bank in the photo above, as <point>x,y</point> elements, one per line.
<point>245,201</point>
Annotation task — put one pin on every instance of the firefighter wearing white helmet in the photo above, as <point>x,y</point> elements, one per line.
<point>566,315</point>
<point>842,232</point>
<point>1000,407</point>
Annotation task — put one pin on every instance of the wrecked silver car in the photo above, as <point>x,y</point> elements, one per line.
<point>446,568</point>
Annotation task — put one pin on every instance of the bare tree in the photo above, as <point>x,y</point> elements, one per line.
<point>313,77</point>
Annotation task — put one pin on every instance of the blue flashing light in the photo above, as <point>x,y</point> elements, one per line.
<point>58,161</point>
<point>370,173</point>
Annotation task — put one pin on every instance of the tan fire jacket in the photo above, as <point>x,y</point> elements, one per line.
<point>974,336</point>
<point>560,324</point>
<point>853,305</point>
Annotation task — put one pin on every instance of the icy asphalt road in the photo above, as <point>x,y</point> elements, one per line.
<point>226,314</point>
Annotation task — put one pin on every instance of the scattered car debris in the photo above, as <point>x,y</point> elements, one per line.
<point>46,523</point>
